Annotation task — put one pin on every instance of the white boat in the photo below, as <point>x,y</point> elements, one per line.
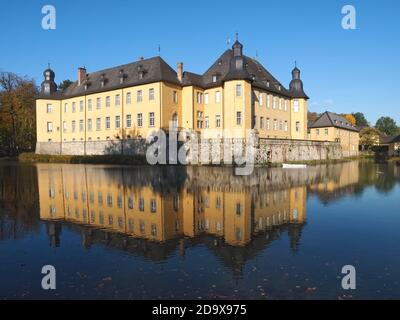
<point>294,166</point>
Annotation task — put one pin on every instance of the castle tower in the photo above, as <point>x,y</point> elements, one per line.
<point>48,85</point>
<point>299,107</point>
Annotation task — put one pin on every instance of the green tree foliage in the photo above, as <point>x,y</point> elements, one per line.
<point>17,114</point>
<point>387,126</point>
<point>65,84</point>
<point>369,137</point>
<point>361,121</point>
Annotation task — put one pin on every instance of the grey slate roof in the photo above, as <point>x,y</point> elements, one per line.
<point>330,119</point>
<point>389,139</point>
<point>156,69</point>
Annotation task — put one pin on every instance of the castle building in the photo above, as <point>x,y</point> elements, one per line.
<point>131,101</point>
<point>332,127</point>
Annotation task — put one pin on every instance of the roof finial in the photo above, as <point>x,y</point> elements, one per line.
<point>48,65</point>
<point>159,49</point>
<point>295,63</point>
<point>237,36</point>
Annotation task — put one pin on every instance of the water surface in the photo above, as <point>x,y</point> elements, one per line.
<point>199,232</point>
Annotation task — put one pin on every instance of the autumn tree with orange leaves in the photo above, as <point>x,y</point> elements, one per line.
<point>17,114</point>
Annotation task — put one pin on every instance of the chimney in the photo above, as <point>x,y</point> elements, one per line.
<point>81,75</point>
<point>179,71</point>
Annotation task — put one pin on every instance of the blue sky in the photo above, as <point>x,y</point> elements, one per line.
<point>343,70</point>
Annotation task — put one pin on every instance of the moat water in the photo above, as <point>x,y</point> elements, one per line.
<point>118,232</point>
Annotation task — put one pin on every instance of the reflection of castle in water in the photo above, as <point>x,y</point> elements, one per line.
<point>152,211</point>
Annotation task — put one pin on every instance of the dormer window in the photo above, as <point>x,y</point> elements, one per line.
<point>214,78</point>
<point>121,76</point>
<point>268,83</point>
<point>140,71</point>
<point>102,80</point>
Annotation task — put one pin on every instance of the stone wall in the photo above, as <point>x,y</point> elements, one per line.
<point>280,151</point>
<point>125,147</point>
<point>266,150</point>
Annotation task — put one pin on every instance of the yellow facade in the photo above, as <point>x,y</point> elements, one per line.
<point>348,139</point>
<point>97,117</point>
<point>236,94</point>
<point>102,198</point>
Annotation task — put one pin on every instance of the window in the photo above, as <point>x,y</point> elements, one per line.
<point>49,126</point>
<point>295,105</point>
<point>151,94</point>
<point>80,106</point>
<point>108,101</point>
<point>90,105</point>
<point>280,104</point>
<point>281,125</point>
<point>275,125</point>
<point>117,122</point>
<point>128,121</point>
<point>98,124</point>
<point>130,203</point>
<point>261,122</point>
<point>218,121</point>
<point>139,96</point>
<point>238,118</point>
<point>100,198</point>
<point>65,126</point>
<point>65,107</point>
<point>81,125</point>
<point>73,107</point>
<point>139,120</point>
<point>217,96</point>
<point>238,209</point>
<point>141,204</point>
<point>199,98</point>
<point>98,103</point>
<point>128,98</point>
<point>151,119</point>
<point>238,90</point>
<point>326,131</point>
<point>175,121</point>
<point>89,124</point>
<point>298,126</point>
<point>274,103</point>
<point>118,100</point>
<point>175,96</point>
<point>73,126</point>
<point>206,98</point>
<point>109,200</point>
<point>285,105</point>
<point>108,123</point>
<point>317,131</point>
<point>207,124</point>
<point>268,124</point>
<point>268,101</point>
<point>153,206</point>
<point>49,108</point>
<point>286,126</point>
<point>261,99</point>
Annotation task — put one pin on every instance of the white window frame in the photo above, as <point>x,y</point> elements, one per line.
<point>129,121</point>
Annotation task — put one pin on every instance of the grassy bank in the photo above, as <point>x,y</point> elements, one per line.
<point>103,159</point>
<point>141,160</point>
